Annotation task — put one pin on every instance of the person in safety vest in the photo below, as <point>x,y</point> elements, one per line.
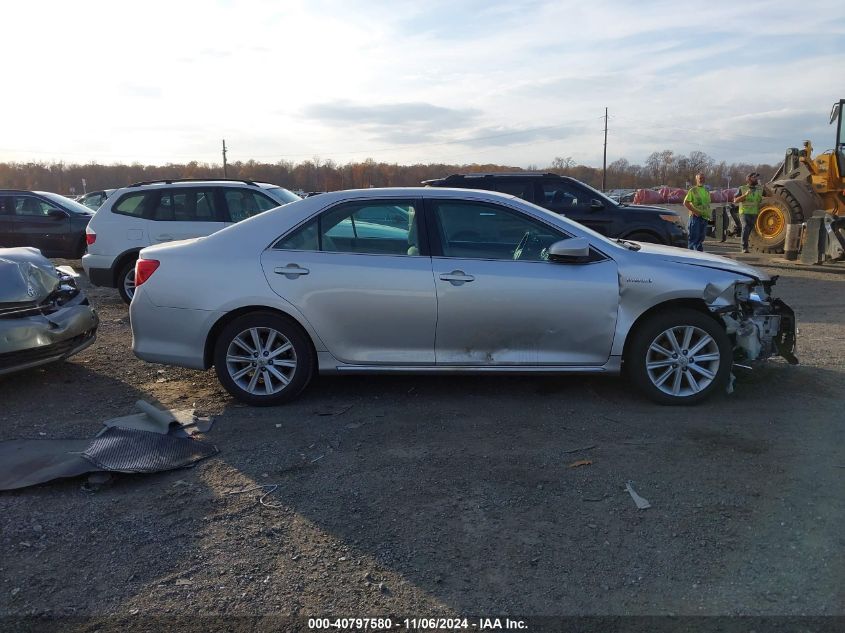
<point>749,199</point>
<point>697,202</point>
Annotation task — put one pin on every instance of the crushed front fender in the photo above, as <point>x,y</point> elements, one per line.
<point>759,326</point>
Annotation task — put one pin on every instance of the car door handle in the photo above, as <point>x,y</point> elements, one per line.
<point>457,277</point>
<point>291,271</point>
<point>164,238</point>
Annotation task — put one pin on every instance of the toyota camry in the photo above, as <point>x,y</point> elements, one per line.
<point>468,282</point>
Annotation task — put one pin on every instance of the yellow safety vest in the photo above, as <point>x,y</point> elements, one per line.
<point>751,205</point>
<point>700,199</point>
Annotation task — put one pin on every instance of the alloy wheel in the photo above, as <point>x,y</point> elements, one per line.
<point>129,283</point>
<point>682,360</point>
<point>261,361</point>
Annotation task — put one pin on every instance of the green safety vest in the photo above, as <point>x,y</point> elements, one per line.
<point>751,205</point>
<point>700,199</point>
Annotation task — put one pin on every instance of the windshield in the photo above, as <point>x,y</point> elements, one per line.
<point>283,195</point>
<point>599,195</point>
<point>66,203</point>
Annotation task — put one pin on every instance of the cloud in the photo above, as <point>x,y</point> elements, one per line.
<point>412,122</point>
<point>136,90</point>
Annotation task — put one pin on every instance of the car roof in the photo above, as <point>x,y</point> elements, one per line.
<point>529,175</point>
<point>188,182</point>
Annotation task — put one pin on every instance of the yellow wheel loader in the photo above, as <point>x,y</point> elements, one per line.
<point>804,187</point>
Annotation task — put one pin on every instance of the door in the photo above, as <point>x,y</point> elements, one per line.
<point>28,222</point>
<point>501,303</point>
<point>365,287</point>
<point>576,203</point>
<point>183,213</point>
<point>7,212</point>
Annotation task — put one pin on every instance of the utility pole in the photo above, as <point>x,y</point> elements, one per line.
<point>604,160</point>
<point>224,158</point>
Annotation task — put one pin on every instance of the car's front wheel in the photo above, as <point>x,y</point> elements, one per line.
<point>263,359</point>
<point>681,356</point>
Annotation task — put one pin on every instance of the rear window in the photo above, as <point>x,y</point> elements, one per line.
<point>130,205</point>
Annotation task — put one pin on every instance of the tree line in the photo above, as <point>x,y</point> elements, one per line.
<point>660,168</point>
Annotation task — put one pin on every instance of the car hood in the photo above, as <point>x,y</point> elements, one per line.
<point>26,276</point>
<point>697,258</point>
<point>639,208</point>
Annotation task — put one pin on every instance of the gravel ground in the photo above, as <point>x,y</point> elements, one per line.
<point>418,496</point>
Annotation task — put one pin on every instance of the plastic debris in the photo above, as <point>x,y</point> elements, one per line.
<point>642,504</point>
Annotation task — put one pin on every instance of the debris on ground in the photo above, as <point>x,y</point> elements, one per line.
<point>266,489</point>
<point>642,504</point>
<point>580,462</point>
<point>182,422</point>
<point>583,448</point>
<point>151,441</point>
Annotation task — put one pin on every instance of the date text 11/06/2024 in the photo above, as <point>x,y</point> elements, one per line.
<point>417,624</point>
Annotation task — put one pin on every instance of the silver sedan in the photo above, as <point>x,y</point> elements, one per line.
<point>467,281</point>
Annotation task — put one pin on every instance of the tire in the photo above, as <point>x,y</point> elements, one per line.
<point>776,212</point>
<point>261,382</point>
<point>642,236</point>
<point>709,372</point>
<point>124,286</point>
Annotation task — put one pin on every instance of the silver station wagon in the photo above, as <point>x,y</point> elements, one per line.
<point>447,280</point>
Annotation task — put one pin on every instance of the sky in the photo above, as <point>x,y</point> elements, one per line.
<point>516,83</point>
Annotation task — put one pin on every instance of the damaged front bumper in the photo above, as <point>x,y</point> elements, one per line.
<point>759,326</point>
<point>44,332</point>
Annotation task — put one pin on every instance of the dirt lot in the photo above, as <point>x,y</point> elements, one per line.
<point>415,496</point>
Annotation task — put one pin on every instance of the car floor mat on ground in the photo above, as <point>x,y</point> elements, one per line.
<point>28,462</point>
<point>135,451</point>
<point>182,422</point>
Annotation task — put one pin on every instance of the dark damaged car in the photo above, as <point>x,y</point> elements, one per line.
<point>44,315</point>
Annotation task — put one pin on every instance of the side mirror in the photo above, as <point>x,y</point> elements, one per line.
<point>570,249</point>
<point>596,205</point>
<point>57,214</point>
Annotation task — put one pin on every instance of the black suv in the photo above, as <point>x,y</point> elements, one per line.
<point>581,203</point>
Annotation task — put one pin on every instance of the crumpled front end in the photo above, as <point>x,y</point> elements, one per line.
<point>54,323</point>
<point>760,326</point>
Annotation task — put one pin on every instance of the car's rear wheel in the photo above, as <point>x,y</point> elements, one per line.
<point>126,282</point>
<point>679,357</point>
<point>263,359</point>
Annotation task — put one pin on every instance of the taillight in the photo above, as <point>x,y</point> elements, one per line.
<point>144,269</point>
<point>90,236</point>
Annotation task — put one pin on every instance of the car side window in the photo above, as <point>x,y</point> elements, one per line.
<point>130,205</point>
<point>518,189</point>
<point>243,203</point>
<point>376,228</point>
<point>186,205</point>
<point>7,205</point>
<point>30,206</point>
<point>485,231</point>
<point>559,195</point>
